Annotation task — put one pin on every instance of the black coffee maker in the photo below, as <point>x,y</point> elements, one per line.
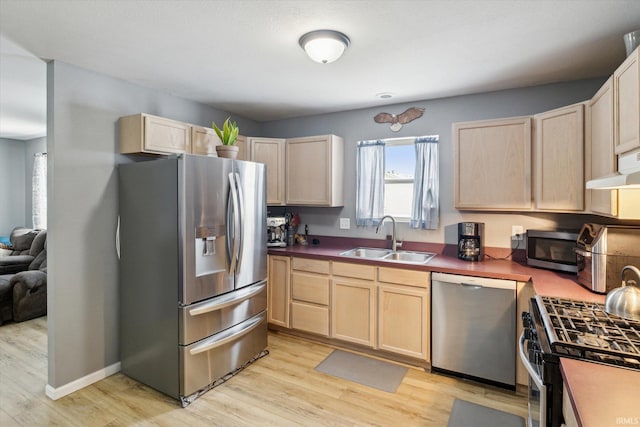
<point>470,241</point>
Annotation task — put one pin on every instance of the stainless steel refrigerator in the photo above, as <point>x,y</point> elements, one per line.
<point>193,269</point>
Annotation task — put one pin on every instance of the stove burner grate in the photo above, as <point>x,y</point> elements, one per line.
<point>583,329</point>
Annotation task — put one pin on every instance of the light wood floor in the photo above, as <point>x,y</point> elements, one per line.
<point>282,389</point>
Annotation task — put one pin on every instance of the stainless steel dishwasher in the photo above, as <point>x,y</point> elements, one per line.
<point>473,328</point>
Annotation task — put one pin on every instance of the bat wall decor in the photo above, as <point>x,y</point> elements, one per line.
<point>397,121</point>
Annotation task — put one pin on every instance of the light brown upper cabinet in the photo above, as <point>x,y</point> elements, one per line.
<point>144,133</point>
<point>600,154</point>
<point>626,88</point>
<point>270,151</point>
<point>243,145</point>
<point>601,158</point>
<point>492,164</point>
<point>204,141</point>
<point>559,159</point>
<point>315,171</point>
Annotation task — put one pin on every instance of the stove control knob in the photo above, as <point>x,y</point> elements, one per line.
<point>526,319</point>
<point>530,334</point>
<point>535,356</point>
<point>538,357</point>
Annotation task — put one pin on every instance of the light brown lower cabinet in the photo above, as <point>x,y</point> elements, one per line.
<point>278,289</point>
<point>310,318</point>
<point>353,310</point>
<point>310,296</point>
<point>403,320</point>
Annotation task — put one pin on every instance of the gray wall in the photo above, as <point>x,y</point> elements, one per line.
<point>438,118</point>
<point>12,185</point>
<point>82,114</point>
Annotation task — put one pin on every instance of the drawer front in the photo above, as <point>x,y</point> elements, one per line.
<point>358,271</point>
<point>310,318</point>
<point>404,277</point>
<point>310,288</point>
<point>310,265</point>
<point>205,361</point>
<point>200,320</point>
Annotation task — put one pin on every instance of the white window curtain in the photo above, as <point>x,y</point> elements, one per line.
<point>39,191</point>
<point>369,182</point>
<point>426,206</point>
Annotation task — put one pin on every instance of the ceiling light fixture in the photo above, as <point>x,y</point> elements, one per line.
<point>324,46</point>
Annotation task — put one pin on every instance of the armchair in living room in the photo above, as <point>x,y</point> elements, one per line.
<point>23,276</point>
<point>25,246</point>
<point>29,294</point>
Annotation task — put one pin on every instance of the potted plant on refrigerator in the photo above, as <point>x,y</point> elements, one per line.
<point>228,135</point>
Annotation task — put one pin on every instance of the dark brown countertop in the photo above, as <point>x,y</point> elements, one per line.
<point>602,395</point>
<point>545,282</point>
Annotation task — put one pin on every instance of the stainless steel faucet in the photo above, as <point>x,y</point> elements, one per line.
<point>394,243</point>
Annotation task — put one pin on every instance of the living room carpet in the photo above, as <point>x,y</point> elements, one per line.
<point>363,370</point>
<point>468,414</point>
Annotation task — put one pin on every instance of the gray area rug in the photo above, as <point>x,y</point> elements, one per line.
<point>363,370</point>
<point>467,414</point>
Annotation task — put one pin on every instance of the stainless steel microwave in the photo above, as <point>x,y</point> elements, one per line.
<point>553,250</point>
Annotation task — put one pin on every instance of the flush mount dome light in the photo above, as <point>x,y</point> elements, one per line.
<point>324,46</point>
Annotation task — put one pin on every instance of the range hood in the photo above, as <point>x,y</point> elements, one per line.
<point>628,175</point>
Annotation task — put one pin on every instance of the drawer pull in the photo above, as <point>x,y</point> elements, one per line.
<point>223,339</point>
<point>233,298</point>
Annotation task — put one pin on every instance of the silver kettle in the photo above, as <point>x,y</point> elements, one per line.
<point>625,300</point>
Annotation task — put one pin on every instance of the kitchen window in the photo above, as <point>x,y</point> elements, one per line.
<point>398,177</point>
<point>399,169</point>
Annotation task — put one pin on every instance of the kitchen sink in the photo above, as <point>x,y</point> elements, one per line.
<point>389,255</point>
<point>370,253</point>
<point>410,257</point>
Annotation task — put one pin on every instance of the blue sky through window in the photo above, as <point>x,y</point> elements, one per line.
<point>400,160</point>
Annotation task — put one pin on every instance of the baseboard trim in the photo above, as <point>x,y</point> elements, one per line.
<point>56,393</point>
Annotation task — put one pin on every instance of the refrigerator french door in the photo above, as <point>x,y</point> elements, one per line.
<point>193,271</point>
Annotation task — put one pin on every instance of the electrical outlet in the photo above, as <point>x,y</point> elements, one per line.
<point>345,223</point>
<point>517,232</point>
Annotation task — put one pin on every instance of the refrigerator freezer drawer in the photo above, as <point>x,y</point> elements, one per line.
<point>206,318</point>
<point>208,360</point>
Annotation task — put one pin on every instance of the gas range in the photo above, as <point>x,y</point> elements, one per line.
<point>584,330</point>
<point>557,327</point>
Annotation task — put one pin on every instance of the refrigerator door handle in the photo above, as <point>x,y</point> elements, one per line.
<point>240,220</point>
<point>229,335</point>
<point>228,300</point>
<point>236,223</point>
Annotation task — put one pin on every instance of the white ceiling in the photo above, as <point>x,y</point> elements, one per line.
<point>243,55</point>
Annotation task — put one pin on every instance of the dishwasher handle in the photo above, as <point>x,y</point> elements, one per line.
<point>473,281</point>
<point>471,285</point>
